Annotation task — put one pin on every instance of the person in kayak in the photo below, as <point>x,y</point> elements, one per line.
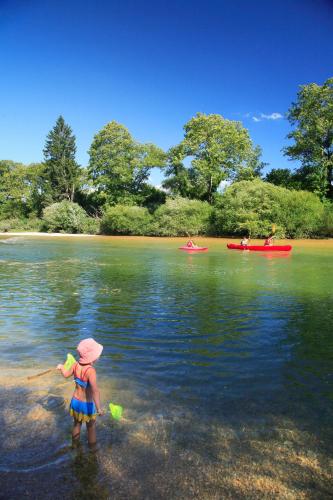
<point>245,241</point>
<point>191,244</point>
<point>269,240</point>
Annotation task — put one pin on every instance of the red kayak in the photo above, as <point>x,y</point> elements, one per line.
<point>193,249</point>
<point>260,248</point>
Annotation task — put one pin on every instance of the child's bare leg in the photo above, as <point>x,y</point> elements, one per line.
<point>91,431</point>
<point>76,431</point>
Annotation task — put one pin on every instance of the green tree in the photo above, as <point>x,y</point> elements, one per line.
<point>13,189</point>
<point>119,166</point>
<point>312,116</point>
<point>218,150</point>
<point>284,177</point>
<point>62,173</point>
<point>20,189</point>
<point>35,179</point>
<point>177,180</point>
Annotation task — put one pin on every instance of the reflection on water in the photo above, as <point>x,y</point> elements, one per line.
<point>223,362</point>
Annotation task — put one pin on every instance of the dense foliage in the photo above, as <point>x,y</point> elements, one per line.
<point>113,194</point>
<point>21,224</point>
<point>126,220</point>
<point>182,217</point>
<point>20,189</point>
<point>254,207</point>
<point>119,166</point>
<point>312,116</point>
<point>326,227</point>
<point>219,150</point>
<point>68,217</point>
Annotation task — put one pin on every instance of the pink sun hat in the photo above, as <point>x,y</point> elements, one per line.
<point>89,351</point>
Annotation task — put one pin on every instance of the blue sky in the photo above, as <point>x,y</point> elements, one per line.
<point>152,65</point>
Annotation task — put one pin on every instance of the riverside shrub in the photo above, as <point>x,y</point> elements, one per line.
<point>91,225</point>
<point>66,217</point>
<point>326,228</point>
<point>126,220</point>
<point>254,206</point>
<point>301,214</point>
<point>181,217</point>
<point>21,224</point>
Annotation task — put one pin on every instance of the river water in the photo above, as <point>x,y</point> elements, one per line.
<point>223,362</point>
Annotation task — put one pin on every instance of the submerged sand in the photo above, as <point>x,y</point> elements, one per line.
<point>153,454</point>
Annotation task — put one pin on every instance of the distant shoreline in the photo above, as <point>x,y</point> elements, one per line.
<point>206,240</point>
<point>37,233</point>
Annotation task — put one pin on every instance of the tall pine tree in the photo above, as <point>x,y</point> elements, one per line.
<point>61,170</point>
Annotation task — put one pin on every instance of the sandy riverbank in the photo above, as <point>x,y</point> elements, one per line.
<point>200,240</point>
<point>36,233</point>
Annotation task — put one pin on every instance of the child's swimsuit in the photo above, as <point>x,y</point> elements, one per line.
<point>83,411</point>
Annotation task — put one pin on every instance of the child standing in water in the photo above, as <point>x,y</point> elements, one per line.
<point>85,404</point>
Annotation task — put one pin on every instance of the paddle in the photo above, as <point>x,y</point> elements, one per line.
<point>70,360</point>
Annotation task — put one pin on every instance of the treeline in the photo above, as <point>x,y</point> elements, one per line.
<point>112,195</point>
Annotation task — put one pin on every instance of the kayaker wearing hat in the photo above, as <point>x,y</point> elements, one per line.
<point>85,404</point>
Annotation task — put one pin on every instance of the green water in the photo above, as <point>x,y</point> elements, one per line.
<point>228,337</point>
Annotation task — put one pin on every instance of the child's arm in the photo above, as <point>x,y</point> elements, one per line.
<point>95,391</point>
<point>65,373</point>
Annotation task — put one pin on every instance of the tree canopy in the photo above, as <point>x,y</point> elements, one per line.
<point>119,166</point>
<point>20,188</point>
<point>218,149</point>
<point>312,116</point>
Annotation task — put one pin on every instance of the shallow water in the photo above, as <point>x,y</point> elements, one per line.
<point>223,362</point>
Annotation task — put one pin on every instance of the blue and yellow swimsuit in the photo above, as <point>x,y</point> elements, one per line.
<point>82,411</point>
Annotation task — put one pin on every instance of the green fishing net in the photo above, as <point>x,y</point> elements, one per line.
<point>69,362</point>
<point>116,411</point>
